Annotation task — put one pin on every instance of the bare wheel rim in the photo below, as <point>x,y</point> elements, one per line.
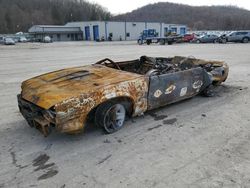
<point>114,118</point>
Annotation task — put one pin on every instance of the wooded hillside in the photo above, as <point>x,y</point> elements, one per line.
<point>204,17</point>
<point>19,15</point>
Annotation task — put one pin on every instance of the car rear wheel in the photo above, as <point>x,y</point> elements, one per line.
<point>110,116</point>
<point>162,42</point>
<point>198,41</point>
<point>208,92</point>
<point>149,42</point>
<point>245,40</point>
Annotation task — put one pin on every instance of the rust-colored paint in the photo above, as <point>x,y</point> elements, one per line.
<point>73,99</point>
<point>49,89</point>
<point>64,98</point>
<point>72,113</point>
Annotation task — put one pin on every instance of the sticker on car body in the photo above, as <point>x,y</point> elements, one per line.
<point>197,84</point>
<point>170,89</point>
<point>157,93</point>
<point>183,91</point>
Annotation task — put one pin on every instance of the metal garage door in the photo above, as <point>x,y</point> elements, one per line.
<point>182,30</point>
<point>96,32</point>
<point>87,33</point>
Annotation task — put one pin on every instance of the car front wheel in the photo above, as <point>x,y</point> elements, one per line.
<point>223,41</point>
<point>110,116</point>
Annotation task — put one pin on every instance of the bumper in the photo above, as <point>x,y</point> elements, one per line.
<point>35,116</point>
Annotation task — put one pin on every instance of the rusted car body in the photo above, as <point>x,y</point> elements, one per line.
<point>64,99</point>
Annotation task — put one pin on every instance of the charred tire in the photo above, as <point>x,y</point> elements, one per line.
<point>245,40</point>
<point>215,41</point>
<point>110,116</point>
<point>209,91</point>
<point>217,83</point>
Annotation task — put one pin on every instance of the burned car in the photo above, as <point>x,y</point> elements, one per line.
<point>109,91</point>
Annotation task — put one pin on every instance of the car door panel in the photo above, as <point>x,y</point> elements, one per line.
<point>233,37</point>
<point>169,88</point>
<point>210,38</point>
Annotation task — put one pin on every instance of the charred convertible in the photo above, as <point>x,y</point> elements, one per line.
<point>111,90</point>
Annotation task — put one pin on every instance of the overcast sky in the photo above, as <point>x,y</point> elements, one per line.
<point>122,6</point>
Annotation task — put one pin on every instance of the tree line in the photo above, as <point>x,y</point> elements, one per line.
<point>196,17</point>
<point>20,15</point>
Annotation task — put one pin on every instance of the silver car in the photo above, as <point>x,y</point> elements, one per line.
<point>238,36</point>
<point>9,41</point>
<point>22,39</point>
<point>207,39</point>
<point>1,40</point>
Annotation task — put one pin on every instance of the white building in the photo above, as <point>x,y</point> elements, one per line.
<point>56,32</point>
<point>98,30</point>
<point>93,30</point>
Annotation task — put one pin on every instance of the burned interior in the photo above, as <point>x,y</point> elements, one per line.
<point>160,65</point>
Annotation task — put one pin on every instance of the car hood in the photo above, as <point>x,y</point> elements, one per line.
<point>49,89</point>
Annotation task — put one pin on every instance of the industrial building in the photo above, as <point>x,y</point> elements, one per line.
<point>56,32</point>
<point>103,30</point>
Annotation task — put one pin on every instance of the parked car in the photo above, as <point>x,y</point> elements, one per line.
<point>22,39</point>
<point>15,38</point>
<point>223,39</point>
<point>47,39</point>
<point>108,91</point>
<point>207,39</point>
<point>238,36</point>
<point>9,41</point>
<point>188,37</point>
<point>1,40</point>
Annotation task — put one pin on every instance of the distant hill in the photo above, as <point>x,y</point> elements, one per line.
<point>19,15</point>
<point>196,17</point>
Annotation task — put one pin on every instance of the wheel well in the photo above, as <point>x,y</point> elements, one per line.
<point>126,101</point>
